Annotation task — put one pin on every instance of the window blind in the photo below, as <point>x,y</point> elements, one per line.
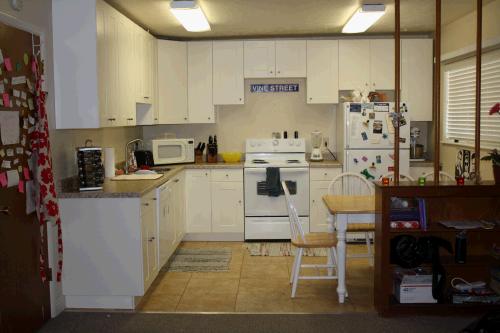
<point>460,105</point>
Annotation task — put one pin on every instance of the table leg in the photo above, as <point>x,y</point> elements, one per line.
<point>341,257</point>
<point>331,229</point>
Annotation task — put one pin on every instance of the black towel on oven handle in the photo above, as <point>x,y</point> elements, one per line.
<point>273,182</point>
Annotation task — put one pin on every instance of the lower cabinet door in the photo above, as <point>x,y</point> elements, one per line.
<point>149,247</point>
<point>198,201</point>
<point>318,212</point>
<point>145,249</point>
<point>227,207</point>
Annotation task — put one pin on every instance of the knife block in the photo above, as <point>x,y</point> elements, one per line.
<point>198,157</point>
<point>211,157</point>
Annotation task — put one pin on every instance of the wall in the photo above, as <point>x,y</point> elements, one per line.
<point>262,114</point>
<point>459,35</point>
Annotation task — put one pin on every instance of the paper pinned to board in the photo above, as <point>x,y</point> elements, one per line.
<point>3,179</point>
<point>18,80</point>
<point>12,178</point>
<point>6,100</point>
<point>375,138</point>
<point>9,127</point>
<point>30,197</point>
<point>8,64</point>
<point>6,164</point>
<point>390,126</point>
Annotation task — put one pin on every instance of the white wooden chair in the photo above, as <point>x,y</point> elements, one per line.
<point>350,183</point>
<point>402,177</point>
<point>443,176</point>
<point>302,240</point>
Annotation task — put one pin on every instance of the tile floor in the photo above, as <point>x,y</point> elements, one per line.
<point>258,284</point>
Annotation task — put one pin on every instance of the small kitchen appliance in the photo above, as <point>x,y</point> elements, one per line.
<point>316,143</point>
<point>144,158</point>
<point>416,150</point>
<point>172,151</point>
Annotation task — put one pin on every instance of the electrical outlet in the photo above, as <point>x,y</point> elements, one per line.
<point>326,141</point>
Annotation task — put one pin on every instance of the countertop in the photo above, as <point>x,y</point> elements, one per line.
<point>137,188</point>
<point>134,188</point>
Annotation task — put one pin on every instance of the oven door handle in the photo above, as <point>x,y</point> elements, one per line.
<point>282,170</point>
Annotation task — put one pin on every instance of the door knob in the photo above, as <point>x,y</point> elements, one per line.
<point>5,210</point>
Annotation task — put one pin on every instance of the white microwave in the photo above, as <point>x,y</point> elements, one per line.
<point>171,151</point>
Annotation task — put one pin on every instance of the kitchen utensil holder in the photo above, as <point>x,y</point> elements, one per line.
<point>198,157</point>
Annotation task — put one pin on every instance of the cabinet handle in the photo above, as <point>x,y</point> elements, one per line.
<point>239,201</point>
<point>176,180</point>
<point>185,118</point>
<point>146,97</point>
<point>151,239</point>
<point>279,72</point>
<point>156,118</point>
<point>111,119</point>
<point>310,98</point>
<point>5,210</point>
<point>146,204</point>
<point>154,199</point>
<point>206,174</point>
<point>208,118</point>
<point>241,98</point>
<point>130,118</point>
<point>314,201</point>
<point>227,175</point>
<point>271,72</point>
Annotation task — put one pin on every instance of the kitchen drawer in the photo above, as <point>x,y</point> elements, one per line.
<point>227,175</point>
<point>148,202</point>
<point>324,173</point>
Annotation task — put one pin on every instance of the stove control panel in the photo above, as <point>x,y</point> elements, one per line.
<point>275,146</point>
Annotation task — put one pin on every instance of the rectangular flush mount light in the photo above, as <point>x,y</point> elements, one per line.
<point>364,18</point>
<point>190,15</point>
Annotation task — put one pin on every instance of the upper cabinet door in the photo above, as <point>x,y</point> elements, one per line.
<point>113,58</point>
<point>200,102</point>
<point>228,73</point>
<point>260,59</point>
<point>416,77</point>
<point>322,71</point>
<point>291,58</point>
<point>354,64</point>
<point>172,82</point>
<point>382,64</point>
<point>126,74</point>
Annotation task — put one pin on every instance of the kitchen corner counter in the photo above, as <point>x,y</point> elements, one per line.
<point>324,164</point>
<point>133,188</point>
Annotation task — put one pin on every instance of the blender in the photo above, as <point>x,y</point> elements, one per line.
<point>316,143</point>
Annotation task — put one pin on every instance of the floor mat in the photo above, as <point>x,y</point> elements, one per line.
<point>199,260</point>
<point>276,249</point>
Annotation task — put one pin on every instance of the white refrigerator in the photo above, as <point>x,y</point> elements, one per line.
<point>367,139</point>
<point>365,142</point>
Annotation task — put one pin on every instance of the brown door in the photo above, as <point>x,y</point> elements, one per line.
<point>24,299</point>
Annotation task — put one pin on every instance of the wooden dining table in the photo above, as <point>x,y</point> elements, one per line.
<point>342,210</point>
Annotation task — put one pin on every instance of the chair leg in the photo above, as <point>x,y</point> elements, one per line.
<point>369,247</point>
<point>294,266</point>
<point>296,272</point>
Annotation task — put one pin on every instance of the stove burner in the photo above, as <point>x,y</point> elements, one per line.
<point>260,162</point>
<point>292,161</point>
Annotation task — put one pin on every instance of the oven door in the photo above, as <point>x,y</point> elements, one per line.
<point>258,203</point>
<point>169,152</point>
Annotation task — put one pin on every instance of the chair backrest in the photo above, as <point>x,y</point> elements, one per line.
<point>443,176</point>
<point>402,177</point>
<point>350,183</point>
<point>293,216</point>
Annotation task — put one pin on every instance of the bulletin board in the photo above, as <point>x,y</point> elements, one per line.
<point>17,105</point>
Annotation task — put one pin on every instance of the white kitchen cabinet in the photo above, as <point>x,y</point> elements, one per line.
<point>354,64</point>
<point>110,250</point>
<point>322,71</point>
<point>198,201</point>
<point>144,62</point>
<point>95,68</point>
<point>260,59</point>
<point>382,64</point>
<point>178,197</point>
<point>172,82</point>
<point>227,207</point>
<point>416,77</point>
<point>291,58</point>
<point>318,187</point>
<point>228,73</point>
<point>366,63</point>
<point>200,99</point>
<point>147,101</point>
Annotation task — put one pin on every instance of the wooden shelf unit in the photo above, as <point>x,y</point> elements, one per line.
<point>444,202</point>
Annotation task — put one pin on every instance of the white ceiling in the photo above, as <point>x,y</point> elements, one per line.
<point>255,18</point>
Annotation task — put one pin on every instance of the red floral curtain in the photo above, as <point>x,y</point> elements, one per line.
<point>47,207</point>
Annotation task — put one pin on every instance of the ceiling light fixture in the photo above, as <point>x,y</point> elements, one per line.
<point>364,18</point>
<point>190,15</point>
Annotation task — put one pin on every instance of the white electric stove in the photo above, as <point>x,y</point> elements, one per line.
<point>266,217</point>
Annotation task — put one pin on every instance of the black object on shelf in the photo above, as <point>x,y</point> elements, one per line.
<point>90,168</point>
<point>461,247</point>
